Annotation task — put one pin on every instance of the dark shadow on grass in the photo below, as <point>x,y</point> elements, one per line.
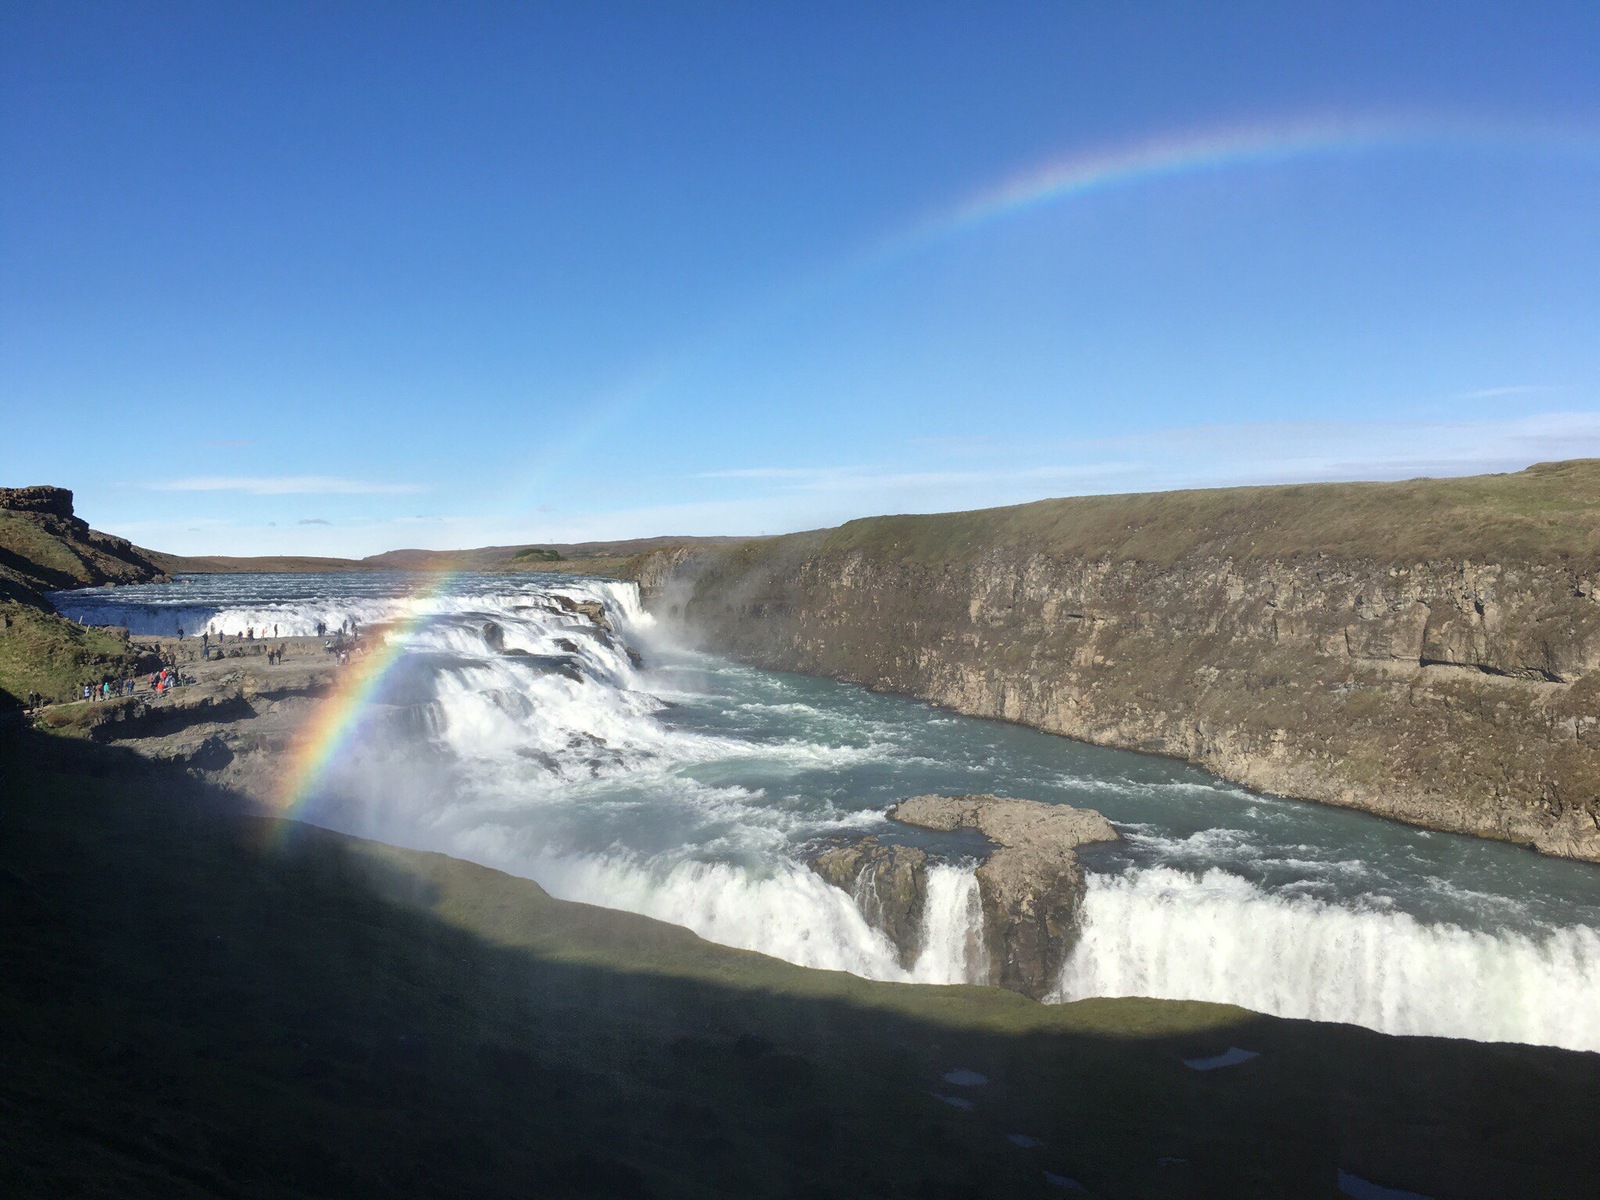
<point>195,1005</point>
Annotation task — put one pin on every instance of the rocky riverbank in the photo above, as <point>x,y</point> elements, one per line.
<point>1427,651</point>
<point>231,720</point>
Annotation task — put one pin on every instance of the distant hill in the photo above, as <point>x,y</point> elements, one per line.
<point>43,546</point>
<point>222,564</point>
<point>527,557</point>
<point>602,557</point>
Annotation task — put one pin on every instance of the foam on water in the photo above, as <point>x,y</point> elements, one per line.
<point>516,733</point>
<point>1167,933</point>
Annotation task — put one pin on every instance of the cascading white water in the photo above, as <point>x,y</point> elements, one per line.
<point>953,949</point>
<point>1161,932</point>
<point>514,731</point>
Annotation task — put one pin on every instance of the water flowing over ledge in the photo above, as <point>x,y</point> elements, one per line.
<point>513,726</point>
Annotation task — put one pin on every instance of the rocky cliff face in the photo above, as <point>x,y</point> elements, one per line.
<point>41,498</point>
<point>1410,678</point>
<point>43,546</point>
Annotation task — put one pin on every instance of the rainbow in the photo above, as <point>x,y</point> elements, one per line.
<point>340,715</point>
<point>1080,174</point>
<point>1195,152</point>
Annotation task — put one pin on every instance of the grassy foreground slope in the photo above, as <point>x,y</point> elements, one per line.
<point>195,1004</point>
<point>45,653</point>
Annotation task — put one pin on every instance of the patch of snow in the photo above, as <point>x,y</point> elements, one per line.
<point>1232,1057</point>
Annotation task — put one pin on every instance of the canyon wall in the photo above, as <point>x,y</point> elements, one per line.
<point>1428,651</point>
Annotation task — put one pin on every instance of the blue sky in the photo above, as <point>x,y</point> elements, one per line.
<point>344,278</point>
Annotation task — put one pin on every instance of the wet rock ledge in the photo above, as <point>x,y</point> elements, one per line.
<point>1030,886</point>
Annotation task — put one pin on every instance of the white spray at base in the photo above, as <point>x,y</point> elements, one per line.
<point>791,914</point>
<point>1163,933</point>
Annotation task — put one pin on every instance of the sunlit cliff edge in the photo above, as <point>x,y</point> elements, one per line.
<point>1427,650</point>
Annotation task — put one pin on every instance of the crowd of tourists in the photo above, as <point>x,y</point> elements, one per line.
<point>160,683</point>
<point>251,634</point>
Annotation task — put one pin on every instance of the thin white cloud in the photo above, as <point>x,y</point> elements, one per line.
<point>772,472</point>
<point>781,499</point>
<point>867,479</point>
<point>282,485</point>
<point>1495,393</point>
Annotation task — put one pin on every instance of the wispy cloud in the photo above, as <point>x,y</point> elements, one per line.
<point>314,521</point>
<point>1194,456</point>
<point>777,499</point>
<point>772,472</point>
<point>283,485</point>
<point>1497,393</point>
<point>866,479</point>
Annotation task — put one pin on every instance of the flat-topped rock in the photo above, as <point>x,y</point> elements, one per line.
<point>1031,885</point>
<point>1008,822</point>
<point>40,498</point>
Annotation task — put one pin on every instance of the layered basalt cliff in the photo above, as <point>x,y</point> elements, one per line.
<point>1428,651</point>
<point>44,545</point>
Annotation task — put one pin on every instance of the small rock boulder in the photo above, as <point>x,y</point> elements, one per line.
<point>889,885</point>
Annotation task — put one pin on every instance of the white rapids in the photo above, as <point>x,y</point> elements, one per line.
<point>514,731</point>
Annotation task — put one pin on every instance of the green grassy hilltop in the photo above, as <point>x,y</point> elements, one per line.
<point>1546,513</point>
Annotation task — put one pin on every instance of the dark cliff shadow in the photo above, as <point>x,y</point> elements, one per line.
<point>195,1002</point>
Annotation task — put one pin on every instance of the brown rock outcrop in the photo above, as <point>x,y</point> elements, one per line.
<point>1030,886</point>
<point>44,546</point>
<point>889,885</point>
<point>39,498</point>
